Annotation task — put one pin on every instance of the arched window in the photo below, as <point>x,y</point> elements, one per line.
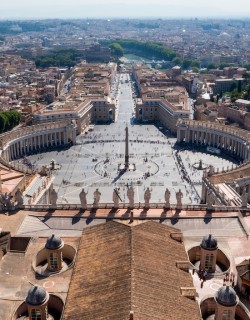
<point>53,257</point>
<point>209,261</point>
<point>227,315</point>
<point>36,314</point>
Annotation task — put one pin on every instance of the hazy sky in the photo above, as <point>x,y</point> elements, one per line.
<point>123,8</point>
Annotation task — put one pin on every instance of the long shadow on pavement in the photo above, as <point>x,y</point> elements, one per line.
<point>77,217</point>
<point>48,215</point>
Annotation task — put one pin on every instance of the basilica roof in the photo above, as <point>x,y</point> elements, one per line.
<point>122,268</point>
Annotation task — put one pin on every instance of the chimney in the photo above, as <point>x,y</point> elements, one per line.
<point>188,292</point>
<point>131,315</point>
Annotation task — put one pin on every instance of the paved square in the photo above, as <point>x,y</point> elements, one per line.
<point>93,162</point>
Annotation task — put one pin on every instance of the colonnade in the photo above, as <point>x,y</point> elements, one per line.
<point>40,138</point>
<point>235,141</point>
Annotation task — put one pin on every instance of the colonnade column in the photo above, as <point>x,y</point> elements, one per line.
<point>61,138</point>
<point>26,146</point>
<point>19,148</point>
<point>11,152</point>
<point>6,154</point>
<point>178,134</point>
<point>238,149</point>
<point>73,136</point>
<point>15,150</point>
<point>42,140</point>
<point>187,136</point>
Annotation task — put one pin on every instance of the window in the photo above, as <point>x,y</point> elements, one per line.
<point>36,314</point>
<point>53,260</point>
<point>227,315</point>
<point>209,261</point>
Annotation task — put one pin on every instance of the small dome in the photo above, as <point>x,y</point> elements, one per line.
<point>209,242</point>
<point>36,296</point>
<point>226,296</point>
<point>53,243</point>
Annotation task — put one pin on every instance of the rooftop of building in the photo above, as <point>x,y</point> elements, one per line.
<point>9,179</point>
<point>231,175</point>
<point>15,269</point>
<point>129,268</point>
<point>17,276</point>
<point>243,269</point>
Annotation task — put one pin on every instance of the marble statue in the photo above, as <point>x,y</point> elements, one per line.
<point>210,200</point>
<point>5,200</point>
<point>53,197</point>
<point>179,196</point>
<point>43,171</point>
<point>116,198</point>
<point>211,170</point>
<point>244,199</point>
<point>97,196</point>
<point>19,197</point>
<point>131,195</point>
<point>147,196</point>
<point>83,199</point>
<point>167,198</point>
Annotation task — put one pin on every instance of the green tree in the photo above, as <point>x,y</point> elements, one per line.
<point>116,49</point>
<point>211,66</point>
<point>186,64</point>
<point>8,120</point>
<point>247,66</point>
<point>146,49</point>
<point>195,69</point>
<point>3,122</point>
<point>177,61</point>
<point>233,86</point>
<point>246,76</point>
<point>239,86</point>
<point>196,63</point>
<point>223,65</point>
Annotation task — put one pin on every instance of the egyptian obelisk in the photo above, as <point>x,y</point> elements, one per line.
<point>126,149</point>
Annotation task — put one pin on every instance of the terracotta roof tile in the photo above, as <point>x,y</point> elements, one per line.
<point>122,268</point>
